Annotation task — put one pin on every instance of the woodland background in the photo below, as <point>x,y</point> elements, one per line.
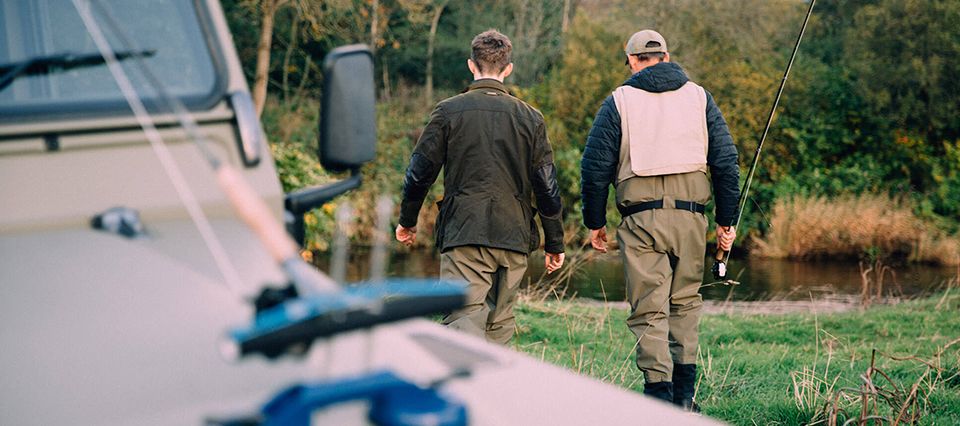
<point>863,160</point>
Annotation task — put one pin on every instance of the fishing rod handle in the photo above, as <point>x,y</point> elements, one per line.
<point>719,264</point>
<point>251,208</point>
<point>256,214</point>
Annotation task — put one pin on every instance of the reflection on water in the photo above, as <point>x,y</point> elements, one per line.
<point>760,279</point>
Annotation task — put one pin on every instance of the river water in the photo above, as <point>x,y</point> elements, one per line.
<point>760,279</point>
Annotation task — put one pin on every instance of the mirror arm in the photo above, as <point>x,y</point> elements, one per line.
<point>248,128</point>
<point>300,202</point>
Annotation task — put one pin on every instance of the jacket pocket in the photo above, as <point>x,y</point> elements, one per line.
<point>462,220</point>
<point>438,228</point>
<point>530,216</point>
<point>510,222</point>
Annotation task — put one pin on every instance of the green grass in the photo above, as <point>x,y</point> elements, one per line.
<point>767,369</point>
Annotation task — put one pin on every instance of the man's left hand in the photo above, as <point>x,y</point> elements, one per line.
<point>553,261</point>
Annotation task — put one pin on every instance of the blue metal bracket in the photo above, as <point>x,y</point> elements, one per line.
<point>393,402</point>
<point>299,321</point>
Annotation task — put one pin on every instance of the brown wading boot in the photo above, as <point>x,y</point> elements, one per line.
<point>684,382</point>
<point>659,390</point>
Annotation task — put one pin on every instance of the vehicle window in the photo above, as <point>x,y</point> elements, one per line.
<point>171,29</point>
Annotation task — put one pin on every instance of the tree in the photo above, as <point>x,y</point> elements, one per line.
<point>536,29</point>
<point>268,10</point>
<point>906,55</point>
<point>327,23</point>
<point>434,22</point>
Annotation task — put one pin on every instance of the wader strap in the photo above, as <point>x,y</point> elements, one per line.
<point>658,204</point>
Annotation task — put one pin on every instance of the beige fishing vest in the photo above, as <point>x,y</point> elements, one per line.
<point>662,133</point>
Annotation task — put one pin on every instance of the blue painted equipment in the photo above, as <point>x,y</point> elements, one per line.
<point>393,402</point>
<point>300,320</point>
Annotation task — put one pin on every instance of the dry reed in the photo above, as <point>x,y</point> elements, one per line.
<point>879,399</point>
<point>872,283</point>
<point>803,227</point>
<point>555,286</point>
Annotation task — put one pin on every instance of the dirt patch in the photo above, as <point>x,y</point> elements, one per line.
<point>765,307</point>
<point>777,307</point>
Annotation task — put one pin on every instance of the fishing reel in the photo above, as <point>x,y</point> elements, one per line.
<point>720,272</point>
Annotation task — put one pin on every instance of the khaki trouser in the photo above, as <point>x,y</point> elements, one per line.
<point>494,276</point>
<point>663,254</point>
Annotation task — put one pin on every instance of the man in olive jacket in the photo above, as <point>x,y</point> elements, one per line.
<point>655,138</point>
<point>494,152</point>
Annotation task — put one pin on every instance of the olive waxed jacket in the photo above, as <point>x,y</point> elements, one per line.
<point>494,153</point>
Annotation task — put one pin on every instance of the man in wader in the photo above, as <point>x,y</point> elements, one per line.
<point>494,153</point>
<point>654,139</point>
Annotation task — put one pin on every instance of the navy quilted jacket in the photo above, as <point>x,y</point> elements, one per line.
<point>598,167</point>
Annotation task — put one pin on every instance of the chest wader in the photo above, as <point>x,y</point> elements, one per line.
<point>662,187</point>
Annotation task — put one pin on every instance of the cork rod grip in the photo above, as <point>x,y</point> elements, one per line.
<point>719,255</point>
<point>251,208</point>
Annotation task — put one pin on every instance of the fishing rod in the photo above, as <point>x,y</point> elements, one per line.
<point>313,305</point>
<point>722,256</point>
<point>243,198</point>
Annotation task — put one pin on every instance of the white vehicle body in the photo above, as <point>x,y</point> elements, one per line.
<point>102,329</point>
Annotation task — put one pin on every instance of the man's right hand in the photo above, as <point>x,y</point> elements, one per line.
<point>725,237</point>
<point>406,236</point>
<point>598,239</point>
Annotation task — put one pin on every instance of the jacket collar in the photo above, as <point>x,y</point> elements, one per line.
<point>662,77</point>
<point>487,83</point>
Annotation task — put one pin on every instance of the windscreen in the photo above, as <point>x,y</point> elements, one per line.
<point>171,30</point>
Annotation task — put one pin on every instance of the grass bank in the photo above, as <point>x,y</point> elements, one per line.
<point>781,369</point>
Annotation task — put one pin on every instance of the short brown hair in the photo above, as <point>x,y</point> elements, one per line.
<point>491,51</point>
<point>643,57</point>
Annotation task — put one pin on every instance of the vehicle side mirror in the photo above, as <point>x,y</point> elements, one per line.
<point>348,127</point>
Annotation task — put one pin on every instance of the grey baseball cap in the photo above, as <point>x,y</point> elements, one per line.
<point>639,41</point>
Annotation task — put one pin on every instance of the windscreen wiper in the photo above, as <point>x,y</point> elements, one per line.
<point>60,62</point>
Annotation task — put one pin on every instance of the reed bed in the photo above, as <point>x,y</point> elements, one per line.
<point>803,227</point>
